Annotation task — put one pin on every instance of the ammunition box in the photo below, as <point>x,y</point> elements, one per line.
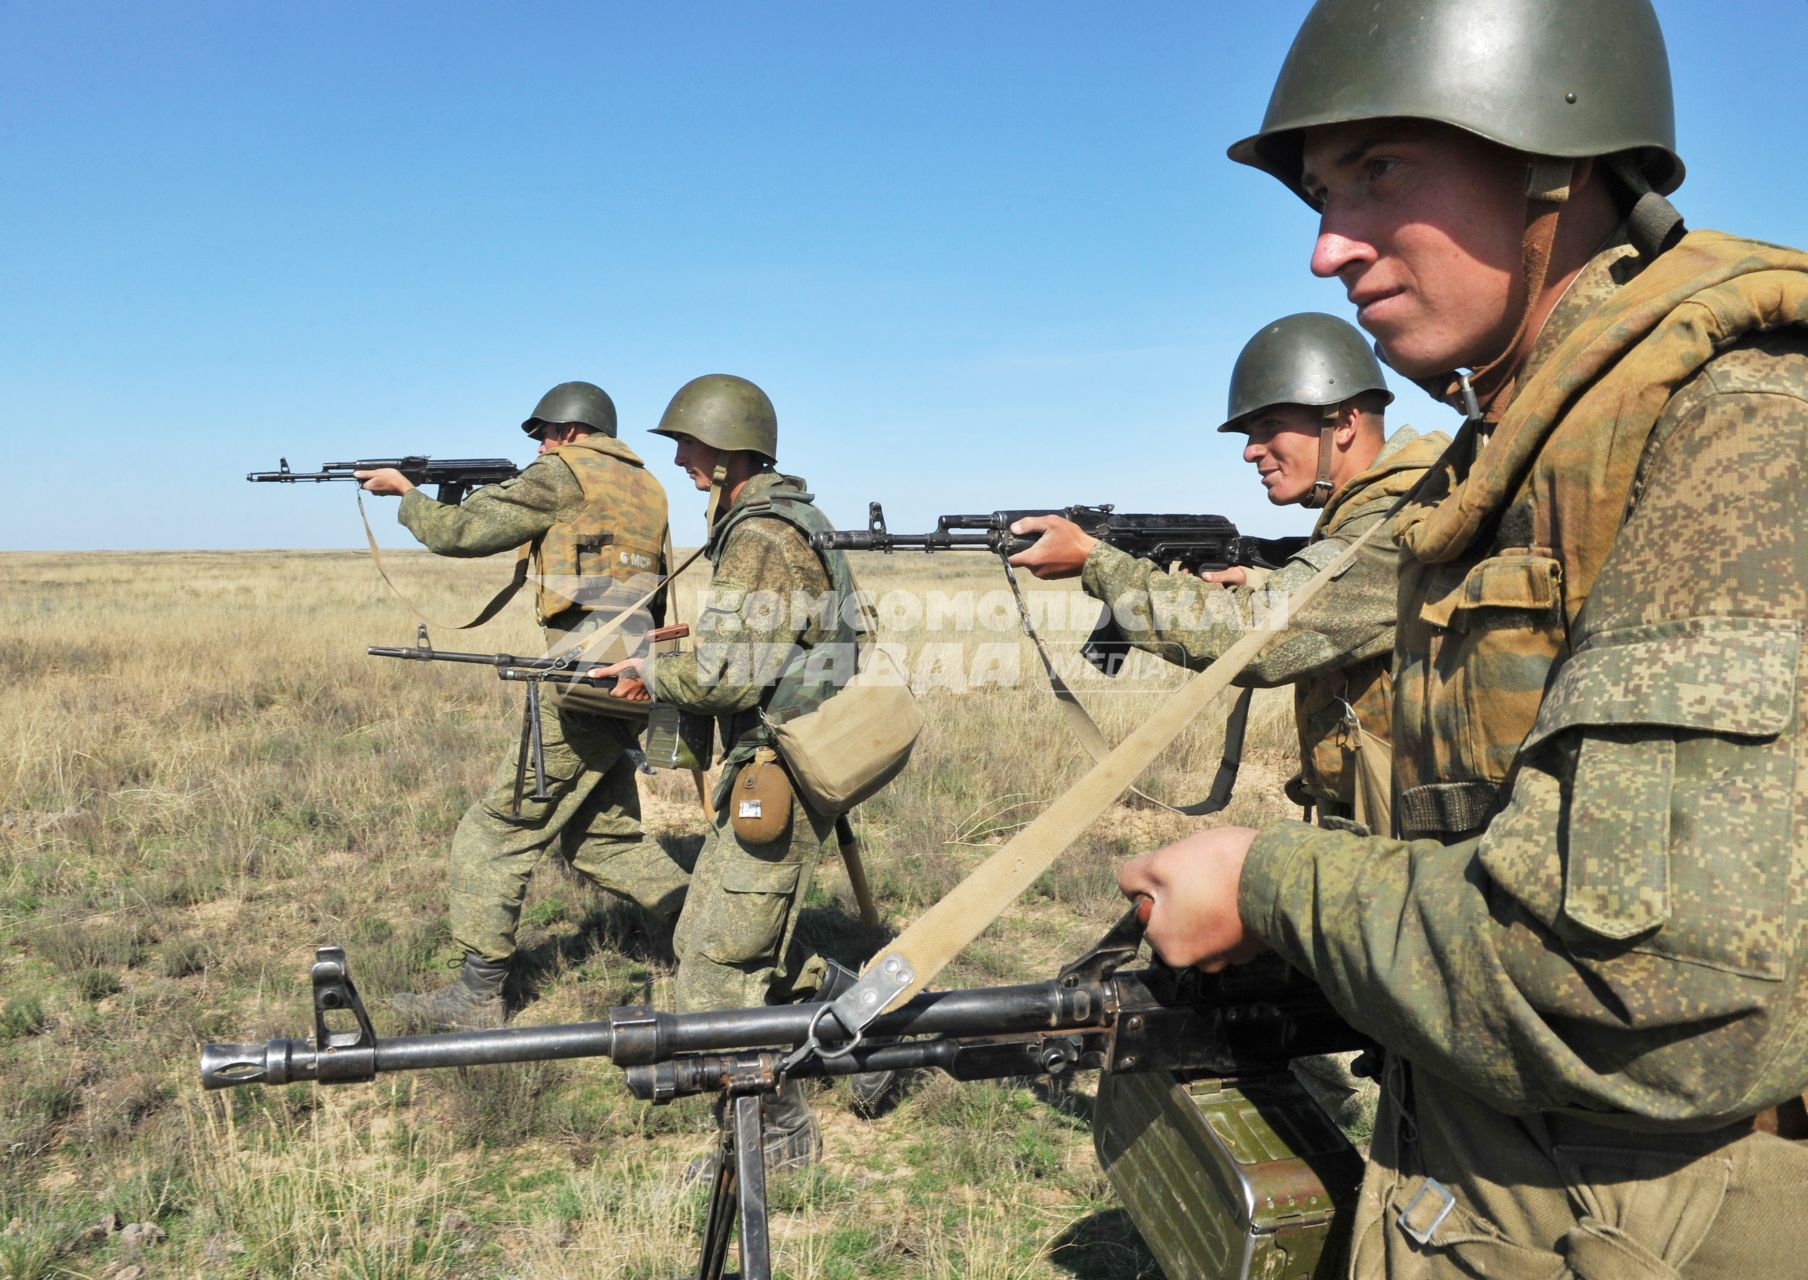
<point>1227,1181</point>
<point>679,739</point>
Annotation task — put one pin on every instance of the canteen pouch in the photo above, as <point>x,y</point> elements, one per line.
<point>1229,1182</point>
<point>858,740</point>
<point>759,803</point>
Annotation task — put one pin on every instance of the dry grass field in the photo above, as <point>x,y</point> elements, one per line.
<point>206,778</point>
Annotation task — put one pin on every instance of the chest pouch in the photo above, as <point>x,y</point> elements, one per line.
<point>759,806</point>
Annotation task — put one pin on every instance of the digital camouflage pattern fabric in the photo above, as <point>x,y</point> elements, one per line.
<point>772,599</point>
<point>1337,653</point>
<point>591,819</point>
<point>591,514</point>
<point>1590,998</point>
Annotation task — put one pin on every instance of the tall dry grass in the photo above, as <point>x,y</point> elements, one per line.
<point>206,777</point>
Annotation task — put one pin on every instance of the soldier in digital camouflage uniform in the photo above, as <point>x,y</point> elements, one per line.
<point>1586,958</point>
<point>592,521</point>
<point>773,609</point>
<point>1310,397</point>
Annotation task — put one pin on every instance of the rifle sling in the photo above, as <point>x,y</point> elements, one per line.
<point>587,640</point>
<point>1087,733</point>
<point>918,954</point>
<point>516,581</point>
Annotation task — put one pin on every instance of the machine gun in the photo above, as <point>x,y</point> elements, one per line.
<point>1195,543</point>
<point>1228,1168</point>
<point>675,739</point>
<point>455,477</point>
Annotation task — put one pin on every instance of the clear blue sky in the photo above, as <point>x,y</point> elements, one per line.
<point>980,254</point>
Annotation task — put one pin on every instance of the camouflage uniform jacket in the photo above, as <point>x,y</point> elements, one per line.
<point>770,598</point>
<point>589,514</point>
<point>1337,654</point>
<point>1621,568</point>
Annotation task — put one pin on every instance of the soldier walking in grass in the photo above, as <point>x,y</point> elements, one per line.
<point>775,608</point>
<point>592,521</point>
<point>1309,398</point>
<point>1586,957</point>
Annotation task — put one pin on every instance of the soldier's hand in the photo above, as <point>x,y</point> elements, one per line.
<point>1060,552</point>
<point>1193,883</point>
<point>1231,577</point>
<point>629,689</point>
<point>383,480</point>
<point>630,683</point>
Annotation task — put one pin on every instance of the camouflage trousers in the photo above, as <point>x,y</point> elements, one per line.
<point>1457,1189</point>
<point>591,818</point>
<point>735,939</point>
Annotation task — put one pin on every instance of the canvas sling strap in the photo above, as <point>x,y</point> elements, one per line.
<point>1092,739</point>
<point>918,954</point>
<point>516,581</point>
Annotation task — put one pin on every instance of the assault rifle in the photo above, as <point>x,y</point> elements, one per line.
<point>455,477</point>
<point>1195,543</point>
<point>1198,544</point>
<point>1223,1173</point>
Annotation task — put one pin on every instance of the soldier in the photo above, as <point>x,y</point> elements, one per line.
<point>753,660</point>
<point>1308,395</point>
<point>1585,960</point>
<point>593,522</point>
<point>1310,399</point>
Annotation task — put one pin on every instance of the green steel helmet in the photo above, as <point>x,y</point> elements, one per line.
<point>725,412</point>
<point>1560,78</point>
<point>583,403</point>
<point>1310,359</point>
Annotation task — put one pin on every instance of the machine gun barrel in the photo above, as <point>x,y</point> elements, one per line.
<point>1137,1019</point>
<point>566,668</point>
<point>636,1036</point>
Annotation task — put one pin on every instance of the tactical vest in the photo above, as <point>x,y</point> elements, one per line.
<point>1503,546</point>
<point>1332,710</point>
<point>826,655</point>
<point>614,542</point>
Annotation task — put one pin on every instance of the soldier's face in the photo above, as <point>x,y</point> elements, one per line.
<point>698,461</point>
<point>1283,447</point>
<point>555,434</point>
<point>1423,224</point>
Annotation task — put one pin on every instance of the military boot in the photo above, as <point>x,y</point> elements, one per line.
<point>472,1003</point>
<point>872,1090</point>
<point>793,1140</point>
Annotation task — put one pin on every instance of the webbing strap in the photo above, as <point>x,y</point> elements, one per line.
<point>1092,739</point>
<point>921,952</point>
<point>590,641</point>
<point>516,580</point>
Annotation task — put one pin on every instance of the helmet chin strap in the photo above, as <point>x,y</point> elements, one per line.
<point>1548,182</point>
<point>717,480</point>
<point>1320,492</point>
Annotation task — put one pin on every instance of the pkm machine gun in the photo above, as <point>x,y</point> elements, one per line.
<point>674,740</point>
<point>1263,1177</point>
<point>455,477</point>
